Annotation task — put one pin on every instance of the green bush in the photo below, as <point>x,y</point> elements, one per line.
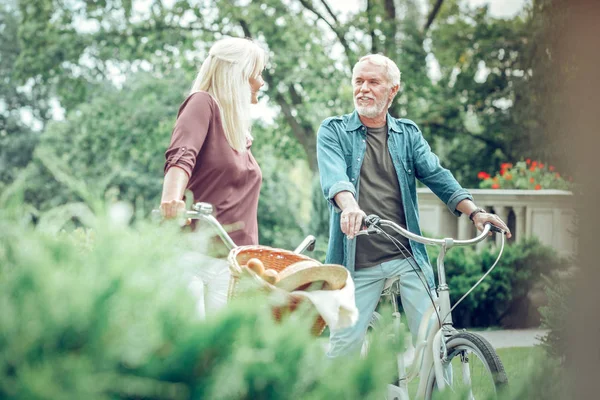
<point>105,314</point>
<point>501,299</point>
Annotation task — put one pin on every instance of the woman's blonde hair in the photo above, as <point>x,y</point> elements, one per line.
<point>225,75</point>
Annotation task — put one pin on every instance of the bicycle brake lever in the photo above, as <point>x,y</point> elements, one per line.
<point>371,230</point>
<point>371,220</point>
<point>494,228</point>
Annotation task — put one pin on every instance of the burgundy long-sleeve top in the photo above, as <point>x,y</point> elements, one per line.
<point>219,175</point>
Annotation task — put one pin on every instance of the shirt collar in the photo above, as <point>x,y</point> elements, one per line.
<point>354,123</point>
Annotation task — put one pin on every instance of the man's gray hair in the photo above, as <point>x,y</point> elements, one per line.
<point>391,69</point>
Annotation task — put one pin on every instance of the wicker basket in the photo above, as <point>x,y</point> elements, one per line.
<point>271,258</point>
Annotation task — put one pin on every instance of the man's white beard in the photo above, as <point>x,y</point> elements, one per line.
<point>370,111</point>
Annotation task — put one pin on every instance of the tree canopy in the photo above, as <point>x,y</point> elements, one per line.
<point>119,69</point>
<point>483,61</point>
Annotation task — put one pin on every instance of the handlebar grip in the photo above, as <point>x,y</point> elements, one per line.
<point>494,228</point>
<point>308,244</point>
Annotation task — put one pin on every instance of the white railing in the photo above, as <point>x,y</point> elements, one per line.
<point>547,214</point>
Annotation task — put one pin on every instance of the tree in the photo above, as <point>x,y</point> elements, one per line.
<point>312,49</point>
<point>17,139</point>
<point>113,144</point>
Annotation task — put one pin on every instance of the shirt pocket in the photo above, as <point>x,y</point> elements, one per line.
<point>409,167</point>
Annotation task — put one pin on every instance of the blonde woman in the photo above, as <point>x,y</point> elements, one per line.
<point>210,155</point>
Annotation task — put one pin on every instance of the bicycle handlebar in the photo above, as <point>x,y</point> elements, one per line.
<point>203,211</point>
<point>374,224</point>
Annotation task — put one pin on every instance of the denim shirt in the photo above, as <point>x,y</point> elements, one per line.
<point>341,145</point>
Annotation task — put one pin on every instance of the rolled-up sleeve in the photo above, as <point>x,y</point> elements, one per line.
<point>332,165</point>
<point>441,181</point>
<point>189,133</point>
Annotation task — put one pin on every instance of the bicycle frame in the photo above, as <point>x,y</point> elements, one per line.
<point>430,345</point>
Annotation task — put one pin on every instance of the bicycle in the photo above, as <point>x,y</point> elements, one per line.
<point>204,212</point>
<point>443,356</point>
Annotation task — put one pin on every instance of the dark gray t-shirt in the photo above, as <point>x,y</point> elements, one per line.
<point>379,193</point>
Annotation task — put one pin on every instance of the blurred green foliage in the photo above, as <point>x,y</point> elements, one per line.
<point>105,313</point>
<point>115,141</point>
<point>555,314</point>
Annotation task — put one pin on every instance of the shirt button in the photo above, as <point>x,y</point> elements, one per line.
<point>352,179</point>
<point>410,171</point>
<point>364,140</point>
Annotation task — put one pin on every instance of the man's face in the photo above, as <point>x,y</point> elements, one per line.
<point>372,90</point>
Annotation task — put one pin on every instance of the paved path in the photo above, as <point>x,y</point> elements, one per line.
<point>499,339</point>
<point>513,338</point>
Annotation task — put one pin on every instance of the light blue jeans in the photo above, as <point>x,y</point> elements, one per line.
<point>368,284</point>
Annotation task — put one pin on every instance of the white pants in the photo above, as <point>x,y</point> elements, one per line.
<point>208,281</point>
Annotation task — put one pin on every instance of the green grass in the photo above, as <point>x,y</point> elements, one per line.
<point>518,363</point>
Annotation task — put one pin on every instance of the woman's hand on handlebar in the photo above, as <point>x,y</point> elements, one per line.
<point>480,219</point>
<point>351,221</point>
<point>172,209</point>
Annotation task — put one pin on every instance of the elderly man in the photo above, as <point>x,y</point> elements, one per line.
<point>371,152</point>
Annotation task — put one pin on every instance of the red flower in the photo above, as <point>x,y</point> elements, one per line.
<point>557,175</point>
<point>508,177</point>
<point>502,172</point>
<point>495,186</point>
<point>506,166</point>
<point>528,161</point>
<point>541,166</point>
<point>483,175</point>
<point>551,168</point>
<point>532,168</point>
<point>531,180</point>
<point>538,187</point>
<point>534,164</point>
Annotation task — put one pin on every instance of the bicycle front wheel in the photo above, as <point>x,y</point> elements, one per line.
<point>472,368</point>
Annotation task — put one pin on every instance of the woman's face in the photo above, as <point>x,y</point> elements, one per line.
<point>255,85</point>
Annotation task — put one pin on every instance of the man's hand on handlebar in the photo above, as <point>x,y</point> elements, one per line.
<point>351,221</point>
<point>480,219</point>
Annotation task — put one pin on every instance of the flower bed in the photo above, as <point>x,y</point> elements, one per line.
<point>526,174</point>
